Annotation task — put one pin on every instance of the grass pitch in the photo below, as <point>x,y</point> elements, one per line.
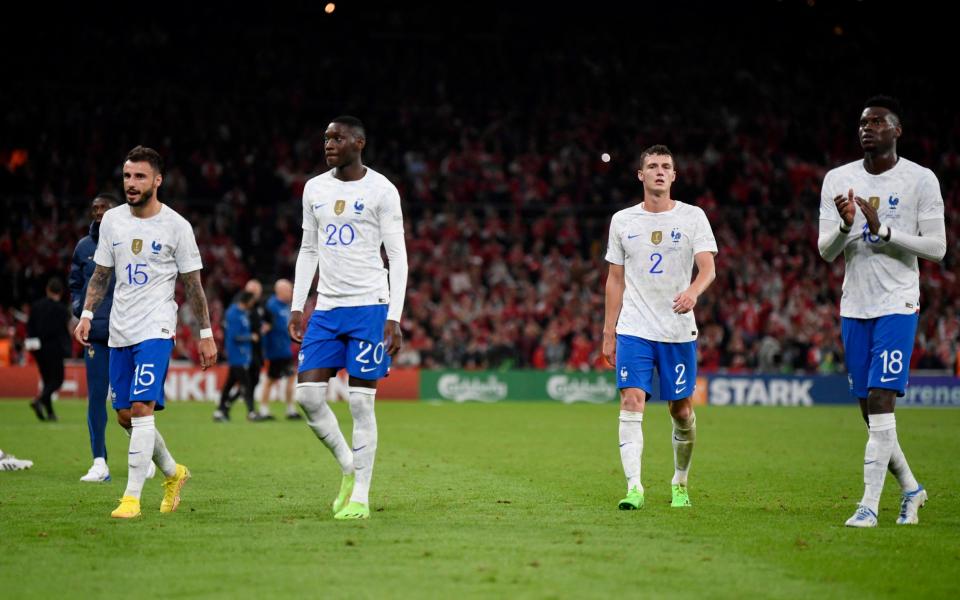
<point>504,500</point>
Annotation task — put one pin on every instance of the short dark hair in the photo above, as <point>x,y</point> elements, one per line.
<point>113,200</point>
<point>657,150</point>
<point>244,297</point>
<point>144,154</point>
<point>352,122</point>
<point>55,286</point>
<point>888,102</point>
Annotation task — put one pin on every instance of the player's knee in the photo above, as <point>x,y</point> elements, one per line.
<point>141,409</point>
<point>880,401</point>
<point>361,402</point>
<point>681,410</point>
<point>632,399</point>
<point>309,397</point>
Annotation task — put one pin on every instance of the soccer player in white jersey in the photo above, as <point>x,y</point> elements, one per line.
<point>900,219</point>
<point>348,213</point>
<point>148,245</point>
<point>649,322</point>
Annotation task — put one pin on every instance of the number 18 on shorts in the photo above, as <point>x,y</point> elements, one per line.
<point>676,363</point>
<point>877,352</point>
<point>347,337</point>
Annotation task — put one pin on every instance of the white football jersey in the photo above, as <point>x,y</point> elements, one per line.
<point>657,252</point>
<point>146,256</point>
<point>880,279</point>
<point>350,219</point>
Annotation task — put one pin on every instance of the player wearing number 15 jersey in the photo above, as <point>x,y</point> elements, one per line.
<point>148,245</point>
<point>349,212</point>
<point>900,218</point>
<point>649,321</point>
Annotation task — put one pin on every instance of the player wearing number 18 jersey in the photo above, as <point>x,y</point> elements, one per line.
<point>148,245</point>
<point>649,322</point>
<point>900,218</point>
<point>348,213</point>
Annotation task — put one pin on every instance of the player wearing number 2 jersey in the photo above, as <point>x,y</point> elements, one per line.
<point>649,321</point>
<point>348,213</point>
<point>900,218</point>
<point>148,245</point>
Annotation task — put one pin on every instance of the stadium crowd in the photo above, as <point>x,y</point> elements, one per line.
<point>506,197</point>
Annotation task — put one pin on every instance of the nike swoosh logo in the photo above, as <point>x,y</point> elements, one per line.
<point>887,379</point>
<point>678,390</point>
<point>316,206</point>
<point>365,370</point>
<point>360,448</point>
<point>676,439</point>
<point>117,243</point>
<point>135,392</point>
<point>630,237</point>
<point>624,444</point>
<point>869,462</point>
<point>137,452</point>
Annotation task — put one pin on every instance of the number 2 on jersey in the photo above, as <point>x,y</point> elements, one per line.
<point>656,257</point>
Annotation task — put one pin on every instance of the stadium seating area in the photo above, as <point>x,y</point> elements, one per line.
<point>506,198</point>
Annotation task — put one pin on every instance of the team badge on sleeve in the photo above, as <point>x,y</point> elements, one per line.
<point>137,246</point>
<point>656,237</point>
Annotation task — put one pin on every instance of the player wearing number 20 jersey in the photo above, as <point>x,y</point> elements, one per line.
<point>350,220</point>
<point>349,213</point>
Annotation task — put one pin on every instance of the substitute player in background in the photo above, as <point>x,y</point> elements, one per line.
<point>276,348</point>
<point>259,322</point>
<point>148,244</point>
<point>900,219</point>
<point>649,320</point>
<point>348,213</point>
<point>238,342</point>
<point>97,354</point>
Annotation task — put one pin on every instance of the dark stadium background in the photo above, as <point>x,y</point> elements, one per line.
<point>491,120</point>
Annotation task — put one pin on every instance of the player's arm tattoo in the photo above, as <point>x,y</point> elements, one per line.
<point>196,297</point>
<point>97,288</point>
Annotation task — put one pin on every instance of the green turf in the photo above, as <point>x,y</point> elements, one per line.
<point>506,500</point>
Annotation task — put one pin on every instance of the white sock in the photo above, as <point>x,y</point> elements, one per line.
<point>142,439</point>
<point>901,470</point>
<point>100,462</point>
<point>631,447</point>
<point>162,457</point>
<point>364,440</point>
<point>880,444</point>
<point>684,436</point>
<point>324,423</point>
